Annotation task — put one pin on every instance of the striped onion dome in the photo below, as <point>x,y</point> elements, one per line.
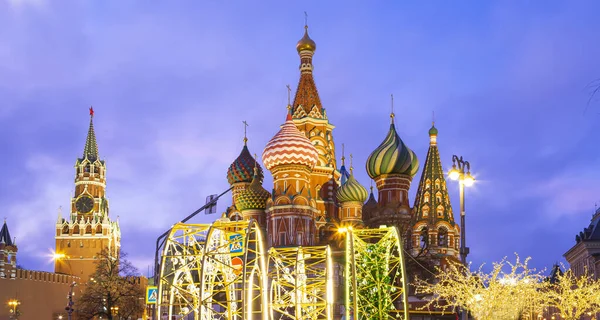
<point>254,197</point>
<point>242,169</point>
<point>289,146</point>
<point>392,157</point>
<point>352,190</point>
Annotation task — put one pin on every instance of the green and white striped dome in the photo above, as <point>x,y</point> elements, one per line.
<point>392,157</point>
<point>352,190</point>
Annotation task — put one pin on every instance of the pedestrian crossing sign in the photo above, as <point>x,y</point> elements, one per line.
<point>151,295</point>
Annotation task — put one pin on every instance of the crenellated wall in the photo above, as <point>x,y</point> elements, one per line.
<point>42,295</point>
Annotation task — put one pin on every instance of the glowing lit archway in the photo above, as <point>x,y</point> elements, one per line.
<point>376,282</point>
<point>214,271</point>
<point>223,271</point>
<point>301,283</point>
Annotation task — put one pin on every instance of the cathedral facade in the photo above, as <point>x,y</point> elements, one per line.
<point>311,197</point>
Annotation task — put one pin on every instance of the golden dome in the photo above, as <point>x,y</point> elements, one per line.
<point>306,43</point>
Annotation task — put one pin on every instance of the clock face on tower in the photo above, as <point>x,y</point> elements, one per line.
<point>84,204</point>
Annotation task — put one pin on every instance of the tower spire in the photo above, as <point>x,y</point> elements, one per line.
<point>307,96</point>
<point>90,151</point>
<point>5,235</point>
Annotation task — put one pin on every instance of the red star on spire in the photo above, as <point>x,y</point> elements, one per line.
<point>91,111</point>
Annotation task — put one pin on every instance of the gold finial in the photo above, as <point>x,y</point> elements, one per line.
<point>289,91</point>
<point>245,126</point>
<point>343,156</point>
<point>371,186</point>
<point>433,118</point>
<point>392,114</point>
<point>351,168</point>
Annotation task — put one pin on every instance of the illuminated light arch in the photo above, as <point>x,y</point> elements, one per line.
<point>201,276</point>
<point>375,274</point>
<point>301,283</point>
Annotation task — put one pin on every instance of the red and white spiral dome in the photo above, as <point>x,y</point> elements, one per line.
<point>289,146</point>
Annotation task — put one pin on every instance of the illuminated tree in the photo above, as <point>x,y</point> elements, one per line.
<point>506,293</point>
<point>574,296</point>
<point>113,291</point>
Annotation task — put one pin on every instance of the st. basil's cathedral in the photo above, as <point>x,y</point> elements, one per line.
<point>312,197</point>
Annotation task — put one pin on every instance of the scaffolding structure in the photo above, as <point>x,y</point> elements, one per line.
<point>224,271</point>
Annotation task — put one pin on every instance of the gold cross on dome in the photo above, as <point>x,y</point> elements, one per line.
<point>245,126</point>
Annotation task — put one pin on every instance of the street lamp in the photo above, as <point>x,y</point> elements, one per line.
<point>464,179</point>
<point>114,311</point>
<point>14,310</point>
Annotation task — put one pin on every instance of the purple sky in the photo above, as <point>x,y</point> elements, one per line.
<point>171,84</point>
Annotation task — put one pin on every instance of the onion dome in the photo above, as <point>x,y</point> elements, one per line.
<point>241,170</point>
<point>392,157</point>
<point>306,43</point>
<point>352,190</point>
<point>289,146</point>
<point>433,131</point>
<point>254,197</point>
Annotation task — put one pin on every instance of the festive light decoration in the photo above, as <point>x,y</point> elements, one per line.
<point>199,274</point>
<point>509,291</point>
<point>572,296</point>
<point>376,284</point>
<point>222,271</point>
<point>298,289</point>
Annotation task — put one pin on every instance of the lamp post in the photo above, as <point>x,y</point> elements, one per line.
<point>114,311</point>
<point>62,257</point>
<point>14,308</point>
<point>69,307</point>
<point>464,179</point>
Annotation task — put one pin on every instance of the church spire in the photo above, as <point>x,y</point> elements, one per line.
<point>90,151</point>
<point>307,101</point>
<point>5,235</point>
<point>432,201</point>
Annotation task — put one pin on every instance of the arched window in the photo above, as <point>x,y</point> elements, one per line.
<point>437,184</point>
<point>427,184</point>
<point>98,229</point>
<point>65,230</point>
<point>88,229</point>
<point>442,237</point>
<point>76,230</point>
<point>440,211</point>
<point>426,197</point>
<point>438,197</point>
<point>424,237</point>
<point>425,211</point>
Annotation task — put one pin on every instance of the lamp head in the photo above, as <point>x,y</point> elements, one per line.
<point>468,180</point>
<point>453,173</point>
<point>58,256</point>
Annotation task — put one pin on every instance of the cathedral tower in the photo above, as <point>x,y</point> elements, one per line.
<point>310,118</point>
<point>351,196</point>
<point>88,229</point>
<point>392,165</point>
<point>291,212</point>
<point>434,232</point>
<point>252,202</point>
<point>240,175</point>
